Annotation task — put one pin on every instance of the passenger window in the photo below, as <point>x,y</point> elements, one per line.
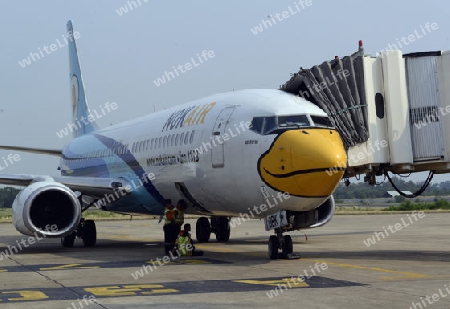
<point>177,139</point>
<point>181,138</point>
<point>192,137</point>
<point>186,138</point>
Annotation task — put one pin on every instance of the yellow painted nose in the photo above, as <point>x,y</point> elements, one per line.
<point>308,162</point>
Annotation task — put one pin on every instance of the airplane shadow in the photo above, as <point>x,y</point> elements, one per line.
<point>124,251</point>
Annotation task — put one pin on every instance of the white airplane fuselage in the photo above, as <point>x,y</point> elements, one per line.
<point>211,153</point>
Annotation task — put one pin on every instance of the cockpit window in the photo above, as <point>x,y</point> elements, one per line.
<point>321,121</point>
<point>257,124</point>
<point>264,125</point>
<point>273,124</point>
<point>276,125</point>
<point>293,121</point>
<point>270,124</point>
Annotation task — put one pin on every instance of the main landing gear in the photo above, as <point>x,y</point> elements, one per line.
<point>86,230</point>
<point>219,225</point>
<point>277,242</point>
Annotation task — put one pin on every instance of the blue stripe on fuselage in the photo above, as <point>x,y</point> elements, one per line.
<point>115,164</point>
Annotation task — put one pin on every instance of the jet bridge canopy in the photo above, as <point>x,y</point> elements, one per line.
<point>391,110</point>
<point>337,87</point>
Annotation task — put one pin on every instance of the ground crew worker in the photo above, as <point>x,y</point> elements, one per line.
<point>184,243</point>
<point>178,215</point>
<point>169,226</point>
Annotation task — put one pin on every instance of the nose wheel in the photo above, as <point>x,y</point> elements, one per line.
<point>277,242</point>
<point>274,244</point>
<point>287,246</point>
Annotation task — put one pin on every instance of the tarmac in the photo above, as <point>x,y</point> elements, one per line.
<point>338,267</point>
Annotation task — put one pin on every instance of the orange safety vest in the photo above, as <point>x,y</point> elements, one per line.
<point>168,215</point>
<point>179,216</point>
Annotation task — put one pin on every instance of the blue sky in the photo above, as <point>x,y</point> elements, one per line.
<point>121,56</point>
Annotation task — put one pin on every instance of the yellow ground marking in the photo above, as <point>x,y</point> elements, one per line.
<point>27,295</point>
<point>293,282</point>
<point>256,253</point>
<point>401,274</point>
<point>68,266</point>
<point>129,290</point>
<point>229,250</point>
<point>190,262</point>
<point>129,237</point>
<point>215,248</point>
<point>2,270</point>
<point>160,291</point>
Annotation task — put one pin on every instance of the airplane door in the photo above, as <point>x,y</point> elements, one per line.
<point>217,153</point>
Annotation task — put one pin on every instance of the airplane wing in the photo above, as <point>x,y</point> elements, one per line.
<point>52,152</point>
<point>92,186</point>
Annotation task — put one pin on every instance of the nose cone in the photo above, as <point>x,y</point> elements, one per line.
<point>308,163</point>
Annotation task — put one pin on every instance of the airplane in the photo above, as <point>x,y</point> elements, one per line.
<point>260,153</point>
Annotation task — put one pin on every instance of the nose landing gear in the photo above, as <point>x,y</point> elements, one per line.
<point>277,242</point>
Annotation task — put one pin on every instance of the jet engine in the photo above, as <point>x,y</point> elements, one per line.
<point>46,208</point>
<point>315,217</point>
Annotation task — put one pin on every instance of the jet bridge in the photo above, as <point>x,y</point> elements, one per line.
<point>392,110</point>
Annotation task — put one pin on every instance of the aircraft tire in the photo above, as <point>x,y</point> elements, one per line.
<point>287,247</point>
<point>223,229</point>
<point>273,247</point>
<point>89,233</point>
<point>68,240</point>
<point>203,229</point>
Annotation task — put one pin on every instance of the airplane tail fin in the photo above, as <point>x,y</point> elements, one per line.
<point>82,120</point>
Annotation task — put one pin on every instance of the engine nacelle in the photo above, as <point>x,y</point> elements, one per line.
<point>41,206</point>
<point>315,217</point>
<point>325,212</point>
